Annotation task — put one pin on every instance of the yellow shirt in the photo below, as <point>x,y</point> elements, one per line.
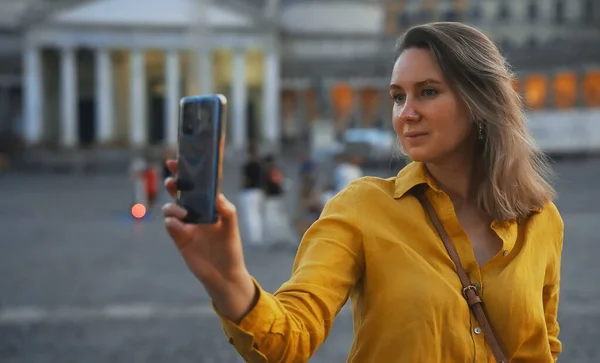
<point>374,244</point>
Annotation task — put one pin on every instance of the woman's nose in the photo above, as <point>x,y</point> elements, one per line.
<point>409,113</point>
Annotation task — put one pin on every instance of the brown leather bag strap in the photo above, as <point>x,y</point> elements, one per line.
<point>469,291</point>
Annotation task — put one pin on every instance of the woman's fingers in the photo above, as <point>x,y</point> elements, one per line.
<point>172,166</point>
<point>175,227</point>
<point>174,211</point>
<point>171,186</point>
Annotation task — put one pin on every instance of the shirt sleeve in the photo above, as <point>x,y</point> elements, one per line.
<point>551,296</point>
<point>289,325</point>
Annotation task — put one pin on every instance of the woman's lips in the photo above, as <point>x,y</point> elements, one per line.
<point>414,134</point>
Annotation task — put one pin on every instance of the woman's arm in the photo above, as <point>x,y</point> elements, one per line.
<point>291,324</point>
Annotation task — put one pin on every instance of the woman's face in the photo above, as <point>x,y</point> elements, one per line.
<point>431,122</point>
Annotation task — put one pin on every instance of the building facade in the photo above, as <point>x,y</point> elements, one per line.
<point>109,73</point>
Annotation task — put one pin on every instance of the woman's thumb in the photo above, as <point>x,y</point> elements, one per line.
<point>226,210</point>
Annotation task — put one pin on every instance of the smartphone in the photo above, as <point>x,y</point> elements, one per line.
<point>201,140</point>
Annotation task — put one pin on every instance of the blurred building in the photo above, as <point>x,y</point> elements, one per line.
<point>109,73</point>
<point>338,56</point>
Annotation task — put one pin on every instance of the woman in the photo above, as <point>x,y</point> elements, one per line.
<point>458,118</point>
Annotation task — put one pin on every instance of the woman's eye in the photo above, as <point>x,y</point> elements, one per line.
<point>429,92</point>
<point>399,98</point>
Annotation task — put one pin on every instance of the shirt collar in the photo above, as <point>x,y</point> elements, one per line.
<point>410,176</point>
<point>415,174</point>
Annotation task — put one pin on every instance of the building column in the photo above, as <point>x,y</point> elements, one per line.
<point>138,134</point>
<point>172,73</point>
<point>204,68</point>
<point>105,129</point>
<point>239,100</point>
<point>32,128</point>
<point>271,100</point>
<point>68,103</point>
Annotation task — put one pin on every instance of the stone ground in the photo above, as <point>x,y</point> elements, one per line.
<point>80,282</point>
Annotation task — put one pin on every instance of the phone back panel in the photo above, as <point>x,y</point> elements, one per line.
<point>200,153</point>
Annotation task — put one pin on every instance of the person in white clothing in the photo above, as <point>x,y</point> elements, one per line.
<point>252,198</point>
<point>348,170</point>
<point>326,194</point>
<point>277,224</point>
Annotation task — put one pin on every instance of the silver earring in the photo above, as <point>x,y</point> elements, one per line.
<point>480,131</point>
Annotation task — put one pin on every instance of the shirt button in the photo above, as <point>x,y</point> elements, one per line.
<point>505,253</point>
<point>477,330</point>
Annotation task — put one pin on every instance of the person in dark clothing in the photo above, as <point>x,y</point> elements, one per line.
<point>252,174</point>
<point>273,178</point>
<point>277,226</point>
<point>307,174</point>
<point>306,205</point>
<point>252,197</point>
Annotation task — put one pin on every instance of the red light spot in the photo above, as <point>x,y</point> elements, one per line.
<point>138,210</point>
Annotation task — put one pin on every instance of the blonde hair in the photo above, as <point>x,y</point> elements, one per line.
<point>517,173</point>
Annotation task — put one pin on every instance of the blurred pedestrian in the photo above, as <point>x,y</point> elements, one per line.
<point>307,172</point>
<point>307,193</point>
<point>347,170</point>
<point>151,183</point>
<point>252,198</point>
<point>326,195</point>
<point>277,221</point>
